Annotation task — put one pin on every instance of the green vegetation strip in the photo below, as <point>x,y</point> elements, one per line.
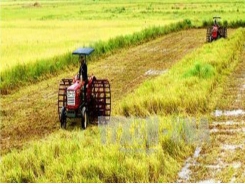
<point>225,23</point>
<point>188,86</point>
<point>22,74</point>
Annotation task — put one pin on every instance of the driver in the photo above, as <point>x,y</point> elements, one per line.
<point>216,23</point>
<point>83,75</point>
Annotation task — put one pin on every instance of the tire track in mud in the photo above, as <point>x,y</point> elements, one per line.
<point>222,159</point>
<point>31,112</point>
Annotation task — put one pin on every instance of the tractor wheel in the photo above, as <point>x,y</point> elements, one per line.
<point>63,118</point>
<point>102,96</point>
<point>209,34</point>
<point>84,120</point>
<point>64,84</point>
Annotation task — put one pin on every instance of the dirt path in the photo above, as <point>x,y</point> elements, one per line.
<point>31,113</point>
<point>222,159</point>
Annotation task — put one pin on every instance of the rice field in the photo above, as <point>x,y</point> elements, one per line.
<point>32,31</point>
<point>81,156</point>
<point>171,76</point>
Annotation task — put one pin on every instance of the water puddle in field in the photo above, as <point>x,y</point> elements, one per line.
<point>155,72</point>
<point>213,166</point>
<point>236,165</point>
<point>197,152</point>
<point>215,123</point>
<point>185,172</point>
<point>209,181</point>
<point>216,130</point>
<point>220,165</point>
<point>228,129</point>
<point>238,112</point>
<point>232,147</point>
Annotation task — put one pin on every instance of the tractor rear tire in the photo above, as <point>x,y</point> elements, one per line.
<point>209,34</point>
<point>63,118</point>
<point>84,122</point>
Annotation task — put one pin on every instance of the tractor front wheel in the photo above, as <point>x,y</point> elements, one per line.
<point>84,121</point>
<point>63,118</point>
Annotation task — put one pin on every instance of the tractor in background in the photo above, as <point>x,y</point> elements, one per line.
<point>71,98</point>
<point>216,32</point>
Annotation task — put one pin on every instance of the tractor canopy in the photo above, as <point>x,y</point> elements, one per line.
<point>83,51</point>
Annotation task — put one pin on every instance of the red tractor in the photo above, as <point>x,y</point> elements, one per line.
<point>216,32</point>
<point>74,103</point>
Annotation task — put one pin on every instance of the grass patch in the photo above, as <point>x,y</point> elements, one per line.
<point>200,70</point>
